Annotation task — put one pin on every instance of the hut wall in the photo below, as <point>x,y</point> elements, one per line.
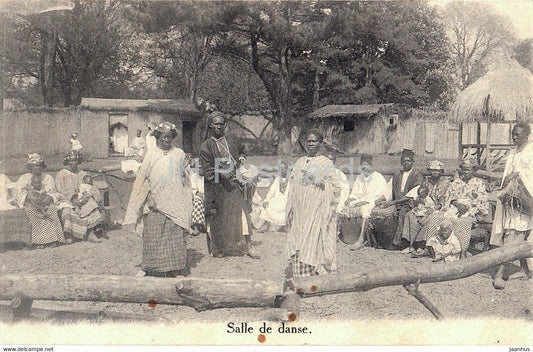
<point>48,132</point>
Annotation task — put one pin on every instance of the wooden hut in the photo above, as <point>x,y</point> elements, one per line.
<point>488,108</point>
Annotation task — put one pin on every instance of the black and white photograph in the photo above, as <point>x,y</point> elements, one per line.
<point>266,173</point>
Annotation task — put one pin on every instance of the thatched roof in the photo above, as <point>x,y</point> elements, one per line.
<point>510,87</point>
<point>170,106</point>
<point>346,111</point>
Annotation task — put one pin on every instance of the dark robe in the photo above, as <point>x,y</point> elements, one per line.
<point>225,200</point>
<point>414,179</point>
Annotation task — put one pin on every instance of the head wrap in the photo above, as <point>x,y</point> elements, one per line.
<point>469,162</point>
<point>435,165</point>
<point>408,153</point>
<point>365,158</point>
<point>74,135</point>
<point>216,114</point>
<point>166,127</point>
<point>316,132</point>
<point>35,159</point>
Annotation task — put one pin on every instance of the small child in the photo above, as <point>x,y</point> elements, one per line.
<point>75,144</point>
<point>90,193</point>
<point>424,205</point>
<point>40,200</point>
<point>444,246</point>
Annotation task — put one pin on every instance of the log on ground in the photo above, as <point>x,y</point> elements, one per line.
<point>408,274</point>
<point>199,293</point>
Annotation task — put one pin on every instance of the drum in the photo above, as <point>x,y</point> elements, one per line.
<point>350,229</point>
<point>384,222</point>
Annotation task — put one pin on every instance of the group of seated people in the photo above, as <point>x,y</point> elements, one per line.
<point>60,210</point>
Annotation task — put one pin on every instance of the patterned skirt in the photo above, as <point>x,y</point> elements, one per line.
<point>164,247</point>
<point>78,226</point>
<point>299,269</point>
<point>45,227</point>
<point>462,228</point>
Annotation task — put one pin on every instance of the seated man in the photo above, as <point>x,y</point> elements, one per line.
<point>402,182</point>
<point>367,188</point>
<point>137,146</point>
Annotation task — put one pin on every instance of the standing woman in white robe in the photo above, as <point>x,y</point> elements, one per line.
<point>512,225</point>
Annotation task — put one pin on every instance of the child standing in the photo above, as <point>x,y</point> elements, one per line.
<point>75,144</point>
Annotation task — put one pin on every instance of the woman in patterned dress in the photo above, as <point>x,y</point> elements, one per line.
<point>465,199</point>
<point>162,196</point>
<point>87,227</point>
<point>39,204</point>
<point>311,218</point>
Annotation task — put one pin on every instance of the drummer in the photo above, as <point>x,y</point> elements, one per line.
<point>367,188</point>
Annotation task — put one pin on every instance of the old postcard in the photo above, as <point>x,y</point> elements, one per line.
<point>266,173</point>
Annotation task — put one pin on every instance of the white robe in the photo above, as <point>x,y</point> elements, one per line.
<point>521,162</point>
<point>5,186</point>
<point>277,201</point>
<point>368,189</point>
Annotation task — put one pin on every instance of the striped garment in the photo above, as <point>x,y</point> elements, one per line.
<point>78,226</point>
<point>312,224</point>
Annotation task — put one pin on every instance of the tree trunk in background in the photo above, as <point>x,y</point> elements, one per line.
<point>47,67</point>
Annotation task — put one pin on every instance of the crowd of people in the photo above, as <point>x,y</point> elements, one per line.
<point>314,202</point>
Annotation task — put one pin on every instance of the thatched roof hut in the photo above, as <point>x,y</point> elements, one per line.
<point>510,88</point>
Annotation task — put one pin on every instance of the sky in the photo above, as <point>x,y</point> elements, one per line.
<point>520,13</point>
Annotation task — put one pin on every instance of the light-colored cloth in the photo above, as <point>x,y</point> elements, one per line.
<point>162,178</point>
<point>424,207</point>
<point>506,217</point>
<point>277,202</point>
<point>130,166</point>
<point>120,139</point>
<point>5,193</point>
<point>75,145</point>
<point>21,187</point>
<point>137,147</point>
<point>151,142</point>
<point>95,198</point>
<point>45,225</point>
<point>67,184</point>
<point>344,191</point>
<point>405,176</point>
<point>449,249</point>
<point>368,189</point>
<point>311,220</point>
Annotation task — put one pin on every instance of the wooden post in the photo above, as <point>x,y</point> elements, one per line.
<point>460,142</point>
<point>479,149</point>
<point>487,148</point>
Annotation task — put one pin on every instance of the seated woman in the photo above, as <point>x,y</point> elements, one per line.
<point>466,199</point>
<point>36,193</point>
<point>367,188</point>
<point>80,221</point>
<point>273,211</point>
<point>437,185</point>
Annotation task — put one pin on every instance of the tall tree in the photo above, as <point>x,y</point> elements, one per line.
<point>476,31</point>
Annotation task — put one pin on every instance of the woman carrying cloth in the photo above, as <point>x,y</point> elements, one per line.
<point>311,218</point>
<point>162,196</point>
<point>79,225</point>
<point>36,193</point>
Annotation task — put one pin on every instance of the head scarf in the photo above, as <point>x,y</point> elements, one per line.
<point>316,132</point>
<point>216,114</point>
<point>35,159</point>
<point>469,162</point>
<point>408,153</point>
<point>166,127</point>
<point>435,165</point>
<point>74,135</point>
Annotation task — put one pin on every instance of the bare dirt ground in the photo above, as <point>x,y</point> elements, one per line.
<point>472,297</point>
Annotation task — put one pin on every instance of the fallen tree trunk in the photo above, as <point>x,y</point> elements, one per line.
<point>406,275</point>
<point>201,294</point>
